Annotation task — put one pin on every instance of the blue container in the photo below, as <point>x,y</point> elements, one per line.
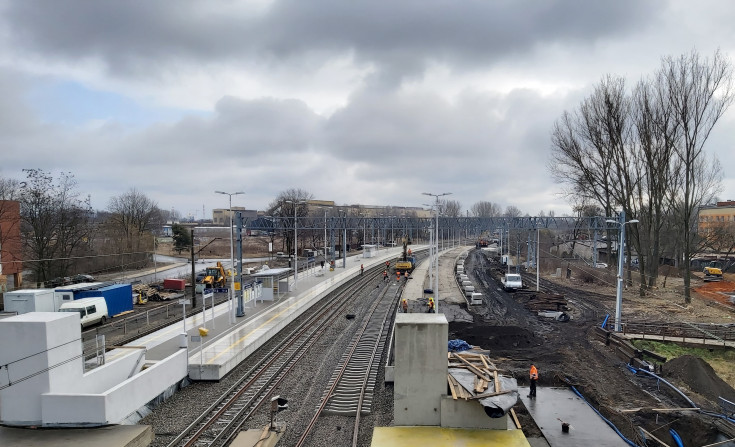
<point>119,297</point>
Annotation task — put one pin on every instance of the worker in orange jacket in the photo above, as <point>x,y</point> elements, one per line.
<point>533,375</point>
<point>404,305</point>
<point>431,305</point>
<point>385,275</point>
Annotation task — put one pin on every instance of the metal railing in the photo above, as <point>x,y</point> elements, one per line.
<point>714,333</point>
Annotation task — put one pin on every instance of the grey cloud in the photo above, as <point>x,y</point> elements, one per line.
<point>142,38</point>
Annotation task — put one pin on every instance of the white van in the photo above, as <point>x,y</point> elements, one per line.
<point>91,310</point>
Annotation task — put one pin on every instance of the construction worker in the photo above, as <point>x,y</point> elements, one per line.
<point>404,305</point>
<point>387,265</point>
<point>405,275</point>
<point>362,270</point>
<point>385,275</point>
<point>431,305</point>
<point>398,276</point>
<point>533,375</point>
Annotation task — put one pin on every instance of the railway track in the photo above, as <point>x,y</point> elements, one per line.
<point>350,390</point>
<point>222,421</point>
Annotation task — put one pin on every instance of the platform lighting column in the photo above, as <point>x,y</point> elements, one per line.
<point>538,253</point>
<point>295,242</point>
<point>621,244</point>
<point>436,289</point>
<point>231,307</point>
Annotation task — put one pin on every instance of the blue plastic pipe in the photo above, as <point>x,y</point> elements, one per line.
<point>627,441</point>
<point>677,438</point>
<point>604,323</point>
<point>689,401</point>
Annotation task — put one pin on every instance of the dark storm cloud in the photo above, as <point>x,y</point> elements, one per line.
<point>142,37</point>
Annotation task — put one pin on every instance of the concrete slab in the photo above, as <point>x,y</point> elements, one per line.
<point>111,436</point>
<point>446,437</point>
<point>553,405</point>
<point>258,437</point>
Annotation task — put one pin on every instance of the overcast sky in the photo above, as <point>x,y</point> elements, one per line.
<point>370,102</point>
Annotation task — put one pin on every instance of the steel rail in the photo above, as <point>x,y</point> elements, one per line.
<point>261,378</point>
<point>364,368</point>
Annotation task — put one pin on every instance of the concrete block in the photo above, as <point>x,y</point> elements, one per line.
<point>420,368</point>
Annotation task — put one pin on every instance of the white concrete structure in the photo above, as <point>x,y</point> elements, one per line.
<point>43,381</point>
<point>369,251</point>
<point>420,368</point>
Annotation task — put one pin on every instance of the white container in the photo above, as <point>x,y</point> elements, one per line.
<point>466,283</point>
<point>30,300</point>
<point>476,299</point>
<point>469,290</point>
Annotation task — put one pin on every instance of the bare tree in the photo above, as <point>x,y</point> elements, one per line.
<point>698,92</point>
<point>288,202</point>
<point>133,220</point>
<point>450,208</point>
<point>513,211</point>
<point>486,209</point>
<point>56,223</point>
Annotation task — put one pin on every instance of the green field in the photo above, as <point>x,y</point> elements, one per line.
<point>720,359</point>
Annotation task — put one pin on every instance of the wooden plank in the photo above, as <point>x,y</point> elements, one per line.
<point>478,385</point>
<point>463,392</point>
<point>451,387</point>
<point>482,396</point>
<point>515,419</point>
<point>650,435</point>
<point>719,443</point>
<point>497,381</point>
<point>484,362</point>
<point>474,369</point>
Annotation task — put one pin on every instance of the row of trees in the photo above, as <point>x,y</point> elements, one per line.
<point>63,235</point>
<point>641,150</point>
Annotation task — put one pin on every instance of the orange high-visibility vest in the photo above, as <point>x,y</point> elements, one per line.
<point>534,372</point>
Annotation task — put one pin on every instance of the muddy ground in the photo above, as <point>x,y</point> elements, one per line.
<point>568,352</point>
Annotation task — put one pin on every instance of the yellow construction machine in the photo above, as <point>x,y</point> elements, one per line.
<point>405,262</point>
<point>713,271</point>
<point>215,277</point>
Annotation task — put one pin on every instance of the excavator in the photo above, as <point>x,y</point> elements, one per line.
<point>405,262</point>
<point>713,271</point>
<point>215,277</point>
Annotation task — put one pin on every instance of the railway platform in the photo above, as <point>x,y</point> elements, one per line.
<point>229,342</point>
<point>114,436</point>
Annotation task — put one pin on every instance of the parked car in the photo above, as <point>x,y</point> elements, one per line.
<point>76,279</point>
<point>601,265</point>
<point>91,310</point>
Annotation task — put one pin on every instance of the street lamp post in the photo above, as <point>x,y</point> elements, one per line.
<point>295,242</point>
<point>436,240</point>
<point>621,244</point>
<point>231,307</point>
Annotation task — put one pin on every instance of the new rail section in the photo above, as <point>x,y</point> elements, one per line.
<point>222,421</point>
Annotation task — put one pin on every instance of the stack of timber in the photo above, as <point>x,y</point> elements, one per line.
<point>154,294</point>
<point>486,374</point>
<point>546,301</point>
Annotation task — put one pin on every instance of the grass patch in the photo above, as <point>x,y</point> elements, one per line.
<point>720,359</point>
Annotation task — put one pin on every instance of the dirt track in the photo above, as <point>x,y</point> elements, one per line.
<point>568,353</point>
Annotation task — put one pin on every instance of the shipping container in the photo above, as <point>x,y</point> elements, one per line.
<point>174,284</point>
<point>66,294</point>
<point>117,297</point>
<point>30,300</point>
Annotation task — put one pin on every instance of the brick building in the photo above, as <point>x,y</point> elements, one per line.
<point>10,244</point>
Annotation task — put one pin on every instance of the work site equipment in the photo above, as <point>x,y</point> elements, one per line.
<point>215,277</point>
<point>405,262</point>
<point>713,271</point>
